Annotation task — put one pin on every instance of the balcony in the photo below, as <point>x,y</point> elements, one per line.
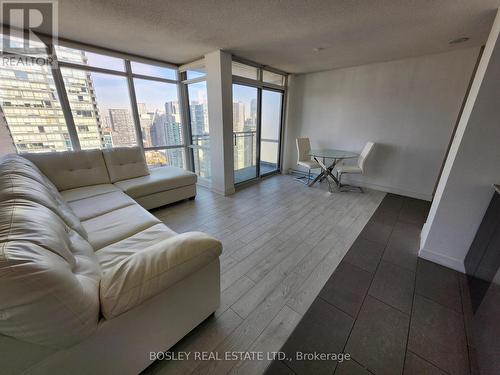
<point>245,164</point>
<point>245,155</point>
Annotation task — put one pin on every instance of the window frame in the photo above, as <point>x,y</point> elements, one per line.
<point>261,85</point>
<point>186,113</point>
<point>130,76</point>
<point>259,81</point>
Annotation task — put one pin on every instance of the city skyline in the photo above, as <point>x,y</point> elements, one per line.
<point>100,105</point>
<point>101,109</point>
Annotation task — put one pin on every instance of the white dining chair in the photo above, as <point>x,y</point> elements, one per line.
<point>304,159</point>
<point>359,168</point>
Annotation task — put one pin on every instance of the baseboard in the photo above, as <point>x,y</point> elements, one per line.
<point>203,182</point>
<point>393,190</point>
<point>222,192</point>
<point>443,260</point>
<point>208,184</point>
<point>387,189</point>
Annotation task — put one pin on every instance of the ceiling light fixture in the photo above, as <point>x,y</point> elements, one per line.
<point>458,40</point>
<point>318,49</point>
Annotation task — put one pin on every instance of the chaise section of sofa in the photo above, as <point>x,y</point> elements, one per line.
<point>150,188</point>
<point>90,172</point>
<point>91,282</point>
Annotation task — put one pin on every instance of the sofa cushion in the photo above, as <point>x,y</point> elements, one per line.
<point>88,208</point>
<point>72,169</point>
<point>13,163</point>
<point>166,197</point>
<point>87,192</point>
<point>49,277</point>
<point>21,179</point>
<point>20,187</point>
<point>160,179</point>
<point>113,254</point>
<point>143,274</point>
<point>116,225</point>
<point>125,162</point>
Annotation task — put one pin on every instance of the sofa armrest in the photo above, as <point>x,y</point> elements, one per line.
<point>148,272</point>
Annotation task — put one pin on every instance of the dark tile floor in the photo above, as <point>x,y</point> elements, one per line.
<point>392,312</point>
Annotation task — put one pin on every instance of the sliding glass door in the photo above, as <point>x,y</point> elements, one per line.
<point>271,108</point>
<point>245,101</point>
<point>256,131</point>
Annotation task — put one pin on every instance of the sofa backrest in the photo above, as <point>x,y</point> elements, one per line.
<point>124,163</point>
<point>72,169</point>
<point>49,274</point>
<point>23,180</point>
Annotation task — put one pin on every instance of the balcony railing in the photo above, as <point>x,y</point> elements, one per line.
<point>244,155</point>
<point>201,153</point>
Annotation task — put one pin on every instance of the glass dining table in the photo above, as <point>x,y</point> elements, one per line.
<point>321,156</point>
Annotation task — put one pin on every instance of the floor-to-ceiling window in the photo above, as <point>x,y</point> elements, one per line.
<point>245,102</point>
<point>94,100</point>
<point>271,110</point>
<point>196,103</point>
<point>258,97</point>
<point>31,111</point>
<point>200,131</point>
<point>101,108</point>
<point>160,118</point>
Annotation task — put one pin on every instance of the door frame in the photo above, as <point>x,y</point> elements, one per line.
<point>280,136</point>
<point>259,85</point>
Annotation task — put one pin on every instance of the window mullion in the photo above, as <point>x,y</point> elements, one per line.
<point>259,130</point>
<point>65,106</point>
<point>133,104</point>
<point>186,122</point>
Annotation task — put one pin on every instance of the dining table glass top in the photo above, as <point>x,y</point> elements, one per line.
<point>330,153</point>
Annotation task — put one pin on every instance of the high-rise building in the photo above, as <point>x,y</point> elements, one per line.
<point>200,136</point>
<point>244,125</point>
<point>238,116</point>
<point>173,123</point>
<point>31,108</point>
<point>82,98</point>
<point>107,130</point>
<point>146,121</point>
<point>166,130</point>
<point>253,110</point>
<point>174,133</point>
<point>123,133</point>
<point>158,131</point>
<point>198,118</point>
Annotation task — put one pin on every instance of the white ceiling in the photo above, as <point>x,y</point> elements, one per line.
<point>279,33</point>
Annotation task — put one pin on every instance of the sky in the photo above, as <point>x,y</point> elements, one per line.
<point>154,94</point>
<point>271,107</point>
<point>112,92</point>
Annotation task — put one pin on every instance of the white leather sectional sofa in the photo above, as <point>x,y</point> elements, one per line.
<point>125,168</point>
<point>91,282</point>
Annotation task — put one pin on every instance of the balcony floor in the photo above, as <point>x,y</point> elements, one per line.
<point>245,174</point>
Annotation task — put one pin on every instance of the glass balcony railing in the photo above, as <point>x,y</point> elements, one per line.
<point>201,154</point>
<point>245,155</point>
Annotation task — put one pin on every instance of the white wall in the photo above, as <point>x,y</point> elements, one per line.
<point>473,165</point>
<point>220,118</point>
<point>408,107</point>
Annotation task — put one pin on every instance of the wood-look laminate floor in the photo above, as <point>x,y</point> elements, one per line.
<point>282,241</point>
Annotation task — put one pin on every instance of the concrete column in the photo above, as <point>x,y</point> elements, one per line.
<point>472,167</point>
<point>220,118</point>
